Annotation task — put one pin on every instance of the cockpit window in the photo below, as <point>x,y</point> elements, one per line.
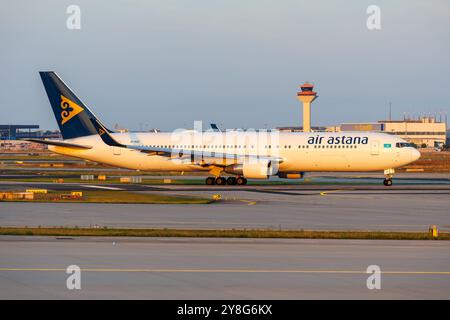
<point>403,144</point>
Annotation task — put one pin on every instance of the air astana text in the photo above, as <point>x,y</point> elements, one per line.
<point>338,140</point>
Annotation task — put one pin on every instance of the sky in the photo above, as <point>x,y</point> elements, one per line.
<point>164,64</point>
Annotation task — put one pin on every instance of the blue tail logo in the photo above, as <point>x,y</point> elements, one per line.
<point>69,109</point>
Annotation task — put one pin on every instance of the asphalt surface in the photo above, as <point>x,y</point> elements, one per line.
<point>166,268</point>
<point>321,207</point>
<point>149,268</point>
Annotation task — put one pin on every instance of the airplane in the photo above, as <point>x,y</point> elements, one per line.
<point>251,154</point>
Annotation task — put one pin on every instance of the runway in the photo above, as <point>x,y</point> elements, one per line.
<point>181,268</point>
<point>148,268</point>
<point>293,207</point>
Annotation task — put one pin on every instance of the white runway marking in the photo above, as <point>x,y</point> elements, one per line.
<point>146,270</point>
<point>101,187</point>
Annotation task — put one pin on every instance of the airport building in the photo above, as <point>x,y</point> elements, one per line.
<point>11,136</point>
<point>17,131</point>
<point>423,132</point>
<point>300,129</point>
<point>25,131</point>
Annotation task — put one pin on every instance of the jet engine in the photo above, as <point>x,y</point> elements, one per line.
<point>254,169</point>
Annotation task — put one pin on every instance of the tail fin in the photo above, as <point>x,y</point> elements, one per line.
<point>72,115</point>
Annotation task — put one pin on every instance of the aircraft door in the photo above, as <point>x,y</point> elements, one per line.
<point>116,151</point>
<point>375,147</point>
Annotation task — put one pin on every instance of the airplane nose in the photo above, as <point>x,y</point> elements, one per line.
<point>415,154</point>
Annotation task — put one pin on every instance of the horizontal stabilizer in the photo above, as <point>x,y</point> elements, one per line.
<point>59,143</point>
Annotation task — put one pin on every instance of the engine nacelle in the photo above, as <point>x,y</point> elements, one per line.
<point>291,175</point>
<point>256,169</point>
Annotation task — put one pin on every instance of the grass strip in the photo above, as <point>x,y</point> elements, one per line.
<point>233,233</point>
<point>119,197</point>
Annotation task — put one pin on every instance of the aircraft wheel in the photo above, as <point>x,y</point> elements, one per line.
<point>220,181</point>
<point>210,181</point>
<point>387,182</point>
<point>241,181</point>
<point>231,181</point>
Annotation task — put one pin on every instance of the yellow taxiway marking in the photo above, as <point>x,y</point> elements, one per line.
<point>124,270</point>
<point>250,203</point>
<point>324,193</point>
<point>345,195</point>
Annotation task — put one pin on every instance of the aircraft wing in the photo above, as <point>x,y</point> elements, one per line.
<point>59,143</point>
<point>177,154</point>
<point>203,157</point>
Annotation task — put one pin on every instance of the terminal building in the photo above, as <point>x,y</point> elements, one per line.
<point>25,131</point>
<point>423,132</point>
<point>11,136</point>
<point>300,129</point>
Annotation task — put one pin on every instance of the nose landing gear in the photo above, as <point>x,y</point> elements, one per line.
<point>388,173</point>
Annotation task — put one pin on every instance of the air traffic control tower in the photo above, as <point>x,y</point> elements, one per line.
<point>306,96</point>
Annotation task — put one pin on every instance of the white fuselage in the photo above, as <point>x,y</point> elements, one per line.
<point>300,152</point>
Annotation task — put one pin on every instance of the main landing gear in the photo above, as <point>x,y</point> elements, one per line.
<point>220,181</point>
<point>388,173</point>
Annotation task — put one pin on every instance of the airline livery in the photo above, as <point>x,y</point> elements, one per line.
<point>250,154</point>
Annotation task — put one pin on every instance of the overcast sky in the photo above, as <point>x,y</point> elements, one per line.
<point>164,64</point>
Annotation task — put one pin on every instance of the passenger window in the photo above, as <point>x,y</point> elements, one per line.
<point>402,144</point>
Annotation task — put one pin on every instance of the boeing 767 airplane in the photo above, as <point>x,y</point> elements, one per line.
<point>243,154</point>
